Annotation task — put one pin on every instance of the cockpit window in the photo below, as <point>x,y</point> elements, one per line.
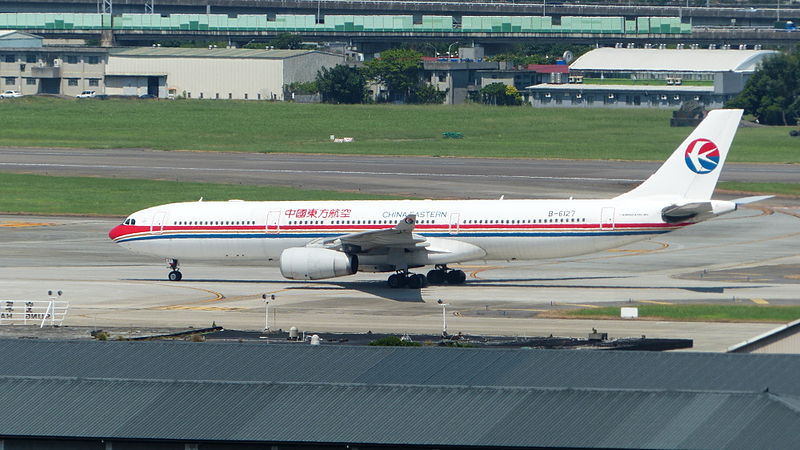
<point>129,221</point>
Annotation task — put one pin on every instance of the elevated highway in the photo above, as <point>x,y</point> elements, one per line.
<point>714,16</point>
<point>375,41</point>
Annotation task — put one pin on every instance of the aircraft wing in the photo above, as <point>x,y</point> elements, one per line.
<point>399,236</point>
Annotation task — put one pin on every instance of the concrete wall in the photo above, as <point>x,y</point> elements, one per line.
<point>304,68</point>
<point>60,71</point>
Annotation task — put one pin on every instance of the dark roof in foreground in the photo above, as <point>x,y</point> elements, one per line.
<point>171,360</point>
<point>395,415</point>
<point>293,394</point>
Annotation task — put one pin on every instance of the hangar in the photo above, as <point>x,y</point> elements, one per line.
<point>653,78</point>
<point>87,394</point>
<point>215,73</point>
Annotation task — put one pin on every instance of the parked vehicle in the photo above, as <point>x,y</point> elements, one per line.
<point>87,94</point>
<point>10,94</point>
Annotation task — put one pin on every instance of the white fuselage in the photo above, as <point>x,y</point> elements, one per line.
<point>503,229</point>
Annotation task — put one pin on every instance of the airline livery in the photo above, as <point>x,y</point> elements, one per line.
<point>313,240</point>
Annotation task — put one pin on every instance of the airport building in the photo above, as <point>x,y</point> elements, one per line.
<point>651,78</point>
<point>28,66</point>
<point>211,395</point>
<point>216,73</point>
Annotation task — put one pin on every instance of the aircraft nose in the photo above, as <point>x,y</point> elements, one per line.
<point>116,232</point>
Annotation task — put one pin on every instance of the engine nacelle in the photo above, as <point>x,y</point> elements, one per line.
<point>302,263</point>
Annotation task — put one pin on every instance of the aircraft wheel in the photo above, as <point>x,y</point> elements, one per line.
<point>436,276</point>
<point>456,277</point>
<point>395,281</point>
<point>175,276</point>
<point>416,281</point>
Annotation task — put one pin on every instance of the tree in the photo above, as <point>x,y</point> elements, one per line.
<point>772,94</point>
<point>341,84</point>
<point>500,94</point>
<point>427,94</point>
<point>287,41</point>
<point>398,69</point>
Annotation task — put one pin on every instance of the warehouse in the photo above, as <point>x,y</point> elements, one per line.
<point>651,78</point>
<point>182,395</point>
<point>215,73</point>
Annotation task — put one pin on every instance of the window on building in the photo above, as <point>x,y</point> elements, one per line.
<point>94,60</point>
<point>30,59</point>
<point>72,81</point>
<point>72,59</point>
<point>10,58</point>
<point>94,82</point>
<point>30,81</point>
<point>442,77</point>
<point>11,81</point>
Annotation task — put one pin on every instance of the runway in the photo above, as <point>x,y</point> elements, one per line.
<point>107,286</point>
<point>421,177</point>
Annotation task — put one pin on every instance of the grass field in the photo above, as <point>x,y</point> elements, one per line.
<point>630,82</point>
<point>700,313</point>
<point>117,197</point>
<point>762,188</point>
<point>520,132</point>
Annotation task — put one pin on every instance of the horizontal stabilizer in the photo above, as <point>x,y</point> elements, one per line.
<point>753,199</point>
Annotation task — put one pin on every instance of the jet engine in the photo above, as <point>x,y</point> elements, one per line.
<point>303,263</point>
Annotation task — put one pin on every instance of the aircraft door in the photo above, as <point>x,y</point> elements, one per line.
<point>158,223</point>
<point>454,223</point>
<point>607,218</point>
<point>273,222</point>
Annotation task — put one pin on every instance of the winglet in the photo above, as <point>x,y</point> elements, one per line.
<point>407,224</point>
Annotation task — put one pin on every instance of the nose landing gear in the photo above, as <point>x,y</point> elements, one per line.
<point>175,274</point>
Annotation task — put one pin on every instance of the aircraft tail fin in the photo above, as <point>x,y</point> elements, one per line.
<point>692,171</point>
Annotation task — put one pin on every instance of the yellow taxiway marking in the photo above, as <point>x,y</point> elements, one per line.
<point>759,301</point>
<point>25,224</point>
<point>584,305</point>
<point>653,302</point>
<point>199,308</point>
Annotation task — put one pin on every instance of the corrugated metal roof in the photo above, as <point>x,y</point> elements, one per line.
<point>388,414</point>
<point>754,343</point>
<point>670,60</point>
<point>175,52</point>
<point>398,365</point>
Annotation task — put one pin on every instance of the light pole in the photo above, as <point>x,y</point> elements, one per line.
<point>444,316</point>
<point>51,308</point>
<point>266,310</point>
<point>448,48</point>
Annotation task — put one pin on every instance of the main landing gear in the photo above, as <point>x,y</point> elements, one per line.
<point>175,274</point>
<point>440,275</point>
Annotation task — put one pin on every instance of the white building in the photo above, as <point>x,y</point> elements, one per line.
<point>217,73</point>
<point>670,77</point>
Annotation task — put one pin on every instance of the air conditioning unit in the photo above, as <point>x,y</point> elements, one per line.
<point>663,97</point>
<point>677,97</point>
<point>547,95</point>
<point>610,95</point>
<point>578,95</point>
<point>56,62</point>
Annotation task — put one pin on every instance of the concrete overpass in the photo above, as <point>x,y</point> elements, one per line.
<point>714,16</point>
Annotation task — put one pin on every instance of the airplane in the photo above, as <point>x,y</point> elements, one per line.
<point>315,240</point>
